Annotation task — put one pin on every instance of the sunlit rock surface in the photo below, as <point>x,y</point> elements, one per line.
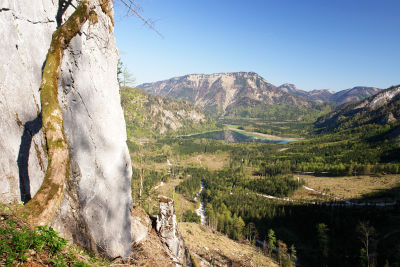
<point>167,229</point>
<point>95,211</point>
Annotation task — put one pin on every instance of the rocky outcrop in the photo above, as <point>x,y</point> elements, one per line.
<point>380,99</point>
<point>95,210</point>
<point>167,229</point>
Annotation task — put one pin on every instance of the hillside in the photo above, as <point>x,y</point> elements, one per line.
<point>148,115</point>
<point>354,94</point>
<point>381,109</point>
<point>237,94</point>
<point>215,249</point>
<point>344,96</point>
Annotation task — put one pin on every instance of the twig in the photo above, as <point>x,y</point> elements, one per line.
<point>134,9</point>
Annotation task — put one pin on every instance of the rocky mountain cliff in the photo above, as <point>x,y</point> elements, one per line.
<point>381,108</point>
<point>95,210</point>
<point>149,115</point>
<point>248,95</point>
<point>220,92</point>
<point>348,95</point>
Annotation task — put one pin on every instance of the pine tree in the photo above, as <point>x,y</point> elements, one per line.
<point>271,241</point>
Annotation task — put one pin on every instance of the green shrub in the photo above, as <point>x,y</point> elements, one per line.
<point>19,243</point>
<point>190,216</point>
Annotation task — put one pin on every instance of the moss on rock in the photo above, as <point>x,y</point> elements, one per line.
<point>42,207</point>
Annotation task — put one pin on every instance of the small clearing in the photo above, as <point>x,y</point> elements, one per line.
<point>351,187</point>
<point>211,161</point>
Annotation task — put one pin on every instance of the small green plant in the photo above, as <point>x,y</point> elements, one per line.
<point>20,243</point>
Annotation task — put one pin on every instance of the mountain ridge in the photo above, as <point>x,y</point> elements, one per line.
<point>217,91</point>
<point>220,93</point>
<point>381,108</point>
<point>356,93</point>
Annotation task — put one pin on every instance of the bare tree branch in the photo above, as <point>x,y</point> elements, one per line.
<point>135,9</point>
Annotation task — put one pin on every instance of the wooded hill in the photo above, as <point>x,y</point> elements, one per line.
<point>150,116</point>
<point>382,108</point>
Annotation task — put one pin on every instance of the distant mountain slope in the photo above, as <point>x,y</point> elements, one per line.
<point>217,92</point>
<point>148,115</point>
<point>248,95</point>
<point>345,96</point>
<point>323,95</point>
<point>381,108</point>
<point>354,94</point>
<point>238,94</point>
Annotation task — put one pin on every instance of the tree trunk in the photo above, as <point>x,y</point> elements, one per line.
<point>42,207</point>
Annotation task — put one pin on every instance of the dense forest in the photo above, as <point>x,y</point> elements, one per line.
<point>348,152</point>
<point>320,233</point>
<point>251,198</point>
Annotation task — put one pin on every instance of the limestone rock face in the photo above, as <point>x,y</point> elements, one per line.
<point>167,229</point>
<point>25,37</point>
<point>95,211</point>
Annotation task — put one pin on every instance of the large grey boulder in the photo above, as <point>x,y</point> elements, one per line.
<point>95,211</point>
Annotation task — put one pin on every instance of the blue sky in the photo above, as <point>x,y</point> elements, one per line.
<point>315,44</point>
